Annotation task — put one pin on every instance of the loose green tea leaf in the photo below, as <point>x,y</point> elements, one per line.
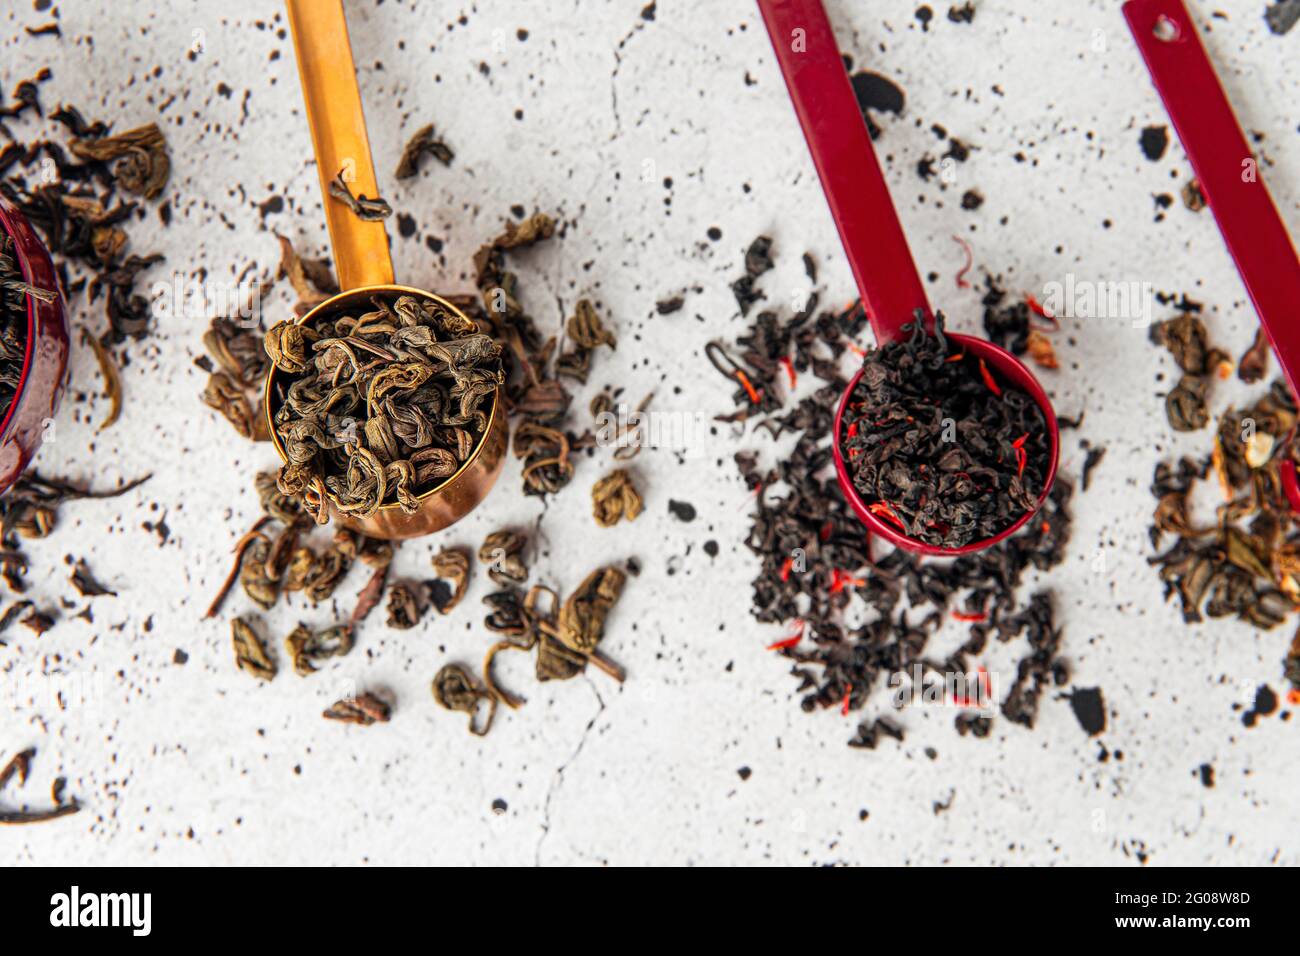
<point>404,608</point>
<point>422,144</point>
<point>308,648</point>
<point>451,564</point>
<point>250,651</point>
<point>455,689</point>
<point>364,709</point>
<point>502,555</point>
<point>367,210</point>
<point>613,498</point>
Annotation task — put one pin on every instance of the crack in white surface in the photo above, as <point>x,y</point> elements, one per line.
<point>613,76</point>
<point>558,777</point>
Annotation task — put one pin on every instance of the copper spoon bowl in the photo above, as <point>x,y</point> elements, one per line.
<point>364,264</point>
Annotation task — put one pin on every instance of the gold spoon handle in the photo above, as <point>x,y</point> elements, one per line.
<point>338,136</point>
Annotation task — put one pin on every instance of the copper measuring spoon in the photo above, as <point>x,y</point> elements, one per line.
<point>872,236</point>
<point>363,262</point>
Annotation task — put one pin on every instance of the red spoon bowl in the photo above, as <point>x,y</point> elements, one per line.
<point>1012,372</point>
<point>25,425</point>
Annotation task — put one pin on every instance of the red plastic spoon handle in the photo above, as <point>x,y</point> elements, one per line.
<point>851,176</point>
<point>1227,171</point>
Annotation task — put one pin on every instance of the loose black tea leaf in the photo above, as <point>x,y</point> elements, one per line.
<point>382,406</point>
<point>1090,461</point>
<point>141,154</point>
<point>937,447</point>
<point>19,765</point>
<point>758,259</point>
<point>112,381</point>
<point>84,581</point>
<point>422,144</point>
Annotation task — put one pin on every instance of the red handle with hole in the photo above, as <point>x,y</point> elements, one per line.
<point>851,176</point>
<point>1255,235</point>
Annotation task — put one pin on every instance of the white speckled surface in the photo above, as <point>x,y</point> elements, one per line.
<point>200,764</point>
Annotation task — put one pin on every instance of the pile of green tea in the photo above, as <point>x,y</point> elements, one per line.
<point>377,408</point>
<point>380,406</point>
<point>1246,563</point>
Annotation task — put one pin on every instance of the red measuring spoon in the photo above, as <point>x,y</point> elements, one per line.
<point>870,232</point>
<point>1230,179</point>
<point>40,386</point>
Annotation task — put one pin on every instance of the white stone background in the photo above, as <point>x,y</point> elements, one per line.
<point>201,764</point>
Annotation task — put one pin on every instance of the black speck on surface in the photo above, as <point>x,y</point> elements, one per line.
<point>711,548</point>
<point>924,15</point>
<point>648,12</point>
<point>682,510</point>
<point>971,199</point>
<point>1089,709</point>
<point>875,92</point>
<point>405,225</point>
<point>179,656</point>
<point>744,773</point>
<point>1154,141</point>
<point>1207,775</point>
<point>1265,705</point>
<point>499,806</point>
<point>963,14</point>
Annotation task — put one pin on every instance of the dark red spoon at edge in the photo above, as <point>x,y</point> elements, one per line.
<point>1229,176</point>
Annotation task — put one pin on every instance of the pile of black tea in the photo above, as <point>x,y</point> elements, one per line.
<point>937,447</point>
<point>380,406</point>
<point>855,620</point>
<point>82,196</point>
